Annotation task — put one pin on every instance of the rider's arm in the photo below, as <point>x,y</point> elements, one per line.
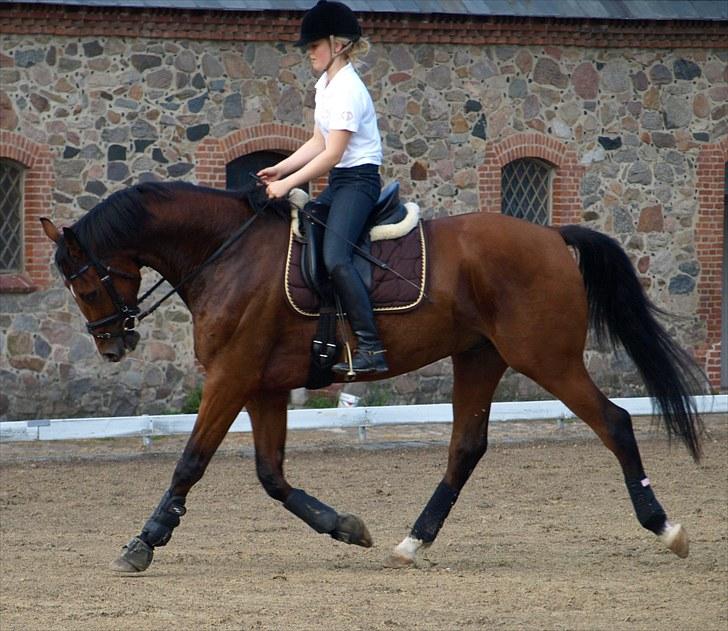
<point>323,162</point>
<point>303,155</point>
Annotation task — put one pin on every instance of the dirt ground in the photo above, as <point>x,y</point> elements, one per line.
<point>543,536</point>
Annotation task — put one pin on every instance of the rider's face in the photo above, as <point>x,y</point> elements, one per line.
<point>319,52</point>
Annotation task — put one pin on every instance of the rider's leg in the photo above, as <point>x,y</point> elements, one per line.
<point>353,200</point>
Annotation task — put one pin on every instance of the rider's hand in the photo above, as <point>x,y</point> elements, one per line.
<point>269,174</point>
<point>277,189</point>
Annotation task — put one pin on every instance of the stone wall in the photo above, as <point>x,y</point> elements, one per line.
<point>625,128</point>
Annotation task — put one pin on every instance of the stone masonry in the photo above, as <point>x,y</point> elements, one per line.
<point>624,127</point>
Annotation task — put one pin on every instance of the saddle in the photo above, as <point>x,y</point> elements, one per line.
<point>393,235</point>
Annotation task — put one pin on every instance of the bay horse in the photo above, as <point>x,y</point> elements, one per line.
<point>502,292</point>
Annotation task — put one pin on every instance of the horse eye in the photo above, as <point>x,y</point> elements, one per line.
<point>89,296</point>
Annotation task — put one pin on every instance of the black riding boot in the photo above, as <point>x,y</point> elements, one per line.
<point>369,354</point>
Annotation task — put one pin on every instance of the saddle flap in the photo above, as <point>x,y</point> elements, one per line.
<point>389,293</point>
<point>312,258</point>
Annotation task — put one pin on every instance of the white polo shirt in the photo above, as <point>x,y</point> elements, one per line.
<point>345,103</point>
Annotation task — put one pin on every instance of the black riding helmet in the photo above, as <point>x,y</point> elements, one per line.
<point>326,19</point>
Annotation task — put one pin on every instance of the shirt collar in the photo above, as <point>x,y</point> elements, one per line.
<point>323,81</point>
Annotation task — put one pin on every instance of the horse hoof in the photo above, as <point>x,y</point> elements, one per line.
<point>398,561</point>
<point>122,566</point>
<point>676,539</point>
<point>351,529</point>
<point>136,556</point>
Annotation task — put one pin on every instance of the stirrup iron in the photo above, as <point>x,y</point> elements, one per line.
<point>350,375</point>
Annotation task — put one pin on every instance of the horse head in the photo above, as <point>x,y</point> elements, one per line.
<point>104,290</point>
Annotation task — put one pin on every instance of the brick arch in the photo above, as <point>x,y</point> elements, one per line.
<point>566,205</point>
<point>213,154</point>
<point>38,183</point>
<point>708,237</point>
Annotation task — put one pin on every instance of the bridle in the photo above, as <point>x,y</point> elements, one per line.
<point>124,312</point>
<point>129,315</point>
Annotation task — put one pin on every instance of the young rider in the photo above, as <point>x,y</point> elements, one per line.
<point>346,145</point>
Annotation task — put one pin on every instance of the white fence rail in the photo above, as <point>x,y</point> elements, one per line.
<point>329,418</point>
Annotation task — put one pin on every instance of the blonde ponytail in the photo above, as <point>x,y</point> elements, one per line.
<point>357,50</point>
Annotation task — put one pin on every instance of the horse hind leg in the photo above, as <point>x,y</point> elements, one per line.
<point>268,413</point>
<point>614,427</point>
<point>476,374</point>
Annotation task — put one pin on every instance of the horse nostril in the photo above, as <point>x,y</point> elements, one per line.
<point>131,339</point>
<point>112,357</point>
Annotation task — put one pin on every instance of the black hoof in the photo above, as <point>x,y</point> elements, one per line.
<point>351,529</point>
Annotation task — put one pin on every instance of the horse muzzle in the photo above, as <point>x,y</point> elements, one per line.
<point>113,351</point>
<point>115,348</point>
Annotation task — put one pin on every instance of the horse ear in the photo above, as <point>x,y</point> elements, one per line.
<point>74,247</point>
<point>50,229</point>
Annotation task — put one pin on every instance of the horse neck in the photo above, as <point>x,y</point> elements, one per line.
<point>181,236</point>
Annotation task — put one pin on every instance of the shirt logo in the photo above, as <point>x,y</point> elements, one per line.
<point>347,116</point>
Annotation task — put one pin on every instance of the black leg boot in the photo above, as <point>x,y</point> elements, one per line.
<point>369,355</point>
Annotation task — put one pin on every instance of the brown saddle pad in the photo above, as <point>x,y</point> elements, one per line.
<point>407,255</point>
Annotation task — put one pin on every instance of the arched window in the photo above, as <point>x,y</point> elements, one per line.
<point>11,217</point>
<point>526,190</point>
<point>237,172</point>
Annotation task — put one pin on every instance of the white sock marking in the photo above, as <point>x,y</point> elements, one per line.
<point>408,548</point>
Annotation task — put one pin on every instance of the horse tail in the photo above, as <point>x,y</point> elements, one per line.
<point>619,311</point>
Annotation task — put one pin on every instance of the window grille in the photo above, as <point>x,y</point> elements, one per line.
<point>238,171</point>
<point>526,190</point>
<point>11,217</point>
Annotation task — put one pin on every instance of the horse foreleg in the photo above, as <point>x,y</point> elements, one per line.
<point>476,374</point>
<point>222,400</point>
<point>268,413</point>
